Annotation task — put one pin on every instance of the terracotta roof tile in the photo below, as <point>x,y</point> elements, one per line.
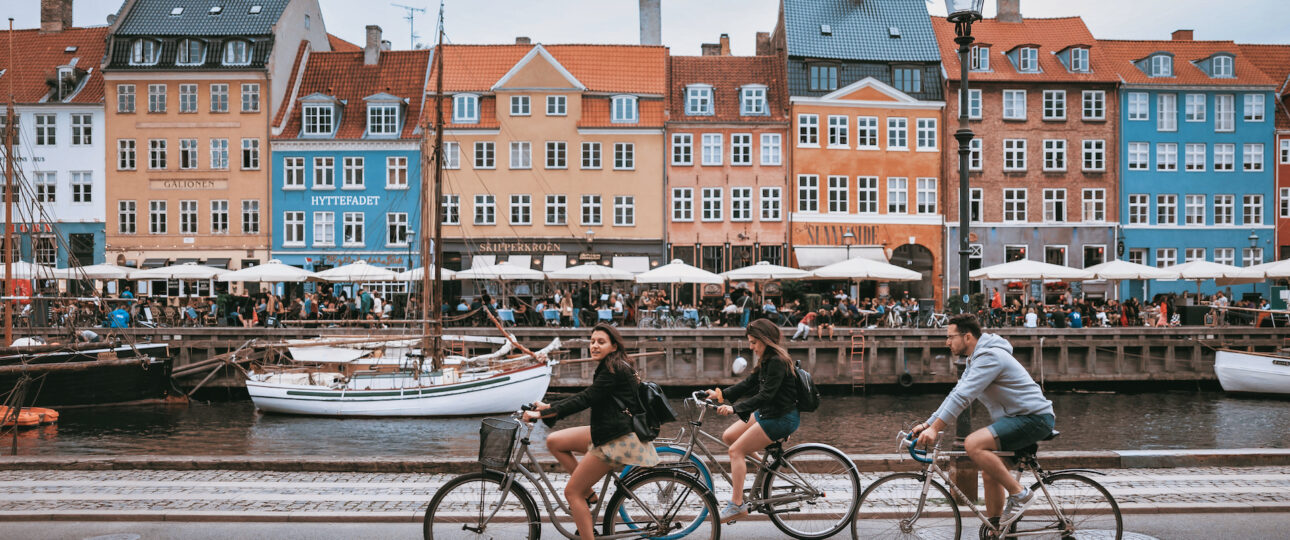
<point>340,45</point>
<point>38,55</point>
<point>633,69</point>
<point>1122,54</point>
<point>343,76</point>
<point>595,114</point>
<point>1049,35</point>
<point>1273,60</point>
<point>727,74</point>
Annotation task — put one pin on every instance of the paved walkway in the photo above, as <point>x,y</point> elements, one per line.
<point>217,495</point>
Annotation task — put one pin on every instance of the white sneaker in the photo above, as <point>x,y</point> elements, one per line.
<point>1016,506</point>
<point>732,511</point>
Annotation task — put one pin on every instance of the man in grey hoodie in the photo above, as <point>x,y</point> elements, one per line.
<point>1020,414</point>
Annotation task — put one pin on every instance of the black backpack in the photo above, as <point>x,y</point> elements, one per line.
<point>808,395</point>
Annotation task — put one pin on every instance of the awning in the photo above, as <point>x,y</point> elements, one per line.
<point>154,263</point>
<point>551,263</point>
<point>633,264</point>
<point>221,262</point>
<point>186,260</point>
<point>522,261</point>
<point>812,257</point>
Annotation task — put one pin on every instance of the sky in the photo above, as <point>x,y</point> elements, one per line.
<point>688,23</point>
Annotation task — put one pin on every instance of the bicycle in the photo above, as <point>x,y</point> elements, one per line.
<point>938,320</point>
<point>1068,503</point>
<point>657,502</point>
<point>797,481</point>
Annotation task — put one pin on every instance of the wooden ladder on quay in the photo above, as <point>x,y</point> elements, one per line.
<point>855,360</point>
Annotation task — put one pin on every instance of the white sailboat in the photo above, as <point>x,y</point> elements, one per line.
<point>1252,372</point>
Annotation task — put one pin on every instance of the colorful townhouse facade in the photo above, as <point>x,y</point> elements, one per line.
<point>1042,170</point>
<point>727,173</point>
<point>192,87</point>
<point>866,98</point>
<point>1274,60</point>
<point>553,154</point>
<point>346,155</point>
<point>1197,128</point>
<point>58,142</point>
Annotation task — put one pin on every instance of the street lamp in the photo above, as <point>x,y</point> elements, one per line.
<point>1253,238</point>
<point>408,235</point>
<point>847,239</point>
<point>962,13</point>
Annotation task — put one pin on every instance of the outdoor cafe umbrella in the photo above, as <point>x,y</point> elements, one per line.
<point>357,272</point>
<point>501,271</point>
<point>94,271</point>
<point>1027,269</point>
<point>26,270</point>
<point>1201,270</point>
<point>415,274</point>
<point>1118,270</point>
<point>1270,270</point>
<point>862,268</point>
<point>679,272</point>
<point>185,271</point>
<point>273,271</point>
<point>764,271</point>
<point>590,272</point>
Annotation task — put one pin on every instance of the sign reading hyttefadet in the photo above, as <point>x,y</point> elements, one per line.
<point>345,200</point>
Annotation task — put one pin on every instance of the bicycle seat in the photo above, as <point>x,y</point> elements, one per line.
<point>1029,451</point>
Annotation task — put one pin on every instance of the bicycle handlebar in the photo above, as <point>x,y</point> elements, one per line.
<point>701,397</point>
<point>907,442</point>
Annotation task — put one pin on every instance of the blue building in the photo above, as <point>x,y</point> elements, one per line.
<point>347,160</point>
<point>1196,145</point>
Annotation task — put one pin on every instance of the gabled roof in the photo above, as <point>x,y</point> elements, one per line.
<point>628,69</point>
<point>883,89</point>
<point>153,18</point>
<point>1123,54</point>
<point>38,54</point>
<point>340,45</point>
<point>538,51</point>
<point>344,77</point>
<point>1049,35</point>
<point>726,75</point>
<point>1273,60</point>
<point>860,30</point>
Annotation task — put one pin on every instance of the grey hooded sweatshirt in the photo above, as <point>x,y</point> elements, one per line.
<point>998,380</point>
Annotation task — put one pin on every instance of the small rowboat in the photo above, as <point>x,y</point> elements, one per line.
<point>27,417</point>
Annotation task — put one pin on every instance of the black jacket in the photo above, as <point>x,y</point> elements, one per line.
<point>775,385</point>
<point>608,421</point>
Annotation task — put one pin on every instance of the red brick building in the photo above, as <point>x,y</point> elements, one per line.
<point>1274,60</point>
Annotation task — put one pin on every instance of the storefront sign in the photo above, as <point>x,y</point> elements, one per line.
<point>520,247</point>
<point>588,256</point>
<point>345,200</point>
<point>376,260</point>
<point>187,184</point>
<point>865,235</point>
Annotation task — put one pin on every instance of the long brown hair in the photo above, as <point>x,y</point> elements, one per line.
<point>617,359</point>
<point>766,332</point>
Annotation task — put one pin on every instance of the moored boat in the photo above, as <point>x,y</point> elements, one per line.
<point>1252,372</point>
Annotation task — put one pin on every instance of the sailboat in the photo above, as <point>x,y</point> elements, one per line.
<point>367,376</point>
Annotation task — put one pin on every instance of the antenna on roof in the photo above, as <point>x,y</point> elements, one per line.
<point>411,18</point>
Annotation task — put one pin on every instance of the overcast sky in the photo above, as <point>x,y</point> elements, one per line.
<point>687,23</point>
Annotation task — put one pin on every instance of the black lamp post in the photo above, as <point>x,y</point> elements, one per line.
<point>408,235</point>
<point>963,13</point>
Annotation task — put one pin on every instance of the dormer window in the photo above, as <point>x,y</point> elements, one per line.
<point>465,109</point>
<point>624,110</point>
<point>237,53</point>
<point>144,52</point>
<point>698,100</point>
<point>980,58</point>
<point>1079,60</point>
<point>1222,66</point>
<point>752,101</point>
<point>382,119</point>
<point>192,52</point>
<point>319,118</point>
<point>1162,66</point>
<point>1028,60</point>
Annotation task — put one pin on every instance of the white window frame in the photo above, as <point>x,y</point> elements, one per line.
<point>1167,112</point>
<point>125,98</point>
<point>450,209</point>
<point>712,149</point>
<point>590,155</point>
<point>1094,105</point>
<point>1224,209</point>
<point>465,109</point>
<point>396,229</point>
<point>82,183</point>
<point>926,138</point>
<point>1093,205</point>
<point>1194,157</point>
<point>1014,104</point>
<point>1139,212</point>
<point>1194,108</point>
<point>926,197</point>
<point>1251,256</point>
<point>219,98</point>
<point>698,100</point>
<point>867,195</point>
<point>1284,202</point>
<point>897,133</point>
<point>1252,157</point>
<point>838,194</point>
<point>157,98</point>
<point>1252,209</point>
<point>808,131</point>
<point>624,110</point>
<point>356,222</point>
<point>1138,106</point>
<point>1224,113</point>
<point>126,155</point>
<point>485,209</point>
<point>521,155</point>
<point>624,211</point>
<point>976,154</point>
<point>557,105</point>
<point>590,210</point>
<point>324,172</point>
<point>979,58</point>
<point>683,149</point>
<point>808,193</point>
<point>897,195</point>
<point>1225,68</point>
<point>521,106</point>
<point>1055,206</point>
<point>382,119</point>
<point>741,201</point>
<point>144,52</point>
<point>250,154</point>
<point>712,200</point>
<point>324,229</point>
<point>557,155</point>
<point>1054,155</point>
<point>683,204</point>
<point>1139,156</point>
<point>1224,157</point>
<point>520,209</point>
<point>250,216</point>
<point>1015,205</point>
<point>1285,151</point>
<point>1079,60</point>
<point>1093,155</point>
<point>1254,105</point>
<point>318,119</point>
<point>1194,209</point>
<point>1225,256</point>
<point>839,131</point>
<point>867,133</point>
<point>188,154</point>
<point>772,149</point>
<point>741,149</point>
<point>1028,60</point>
<point>219,216</point>
<point>187,98</point>
<point>1166,156</point>
<point>485,155</point>
<point>396,172</point>
<point>624,156</point>
<point>354,175</point>
<point>237,52</point>
<point>1166,257</point>
<point>1166,209</point>
<point>1162,65</point>
<point>451,155</point>
<point>250,97</point>
<point>556,209</point>
<point>772,206</point>
<point>1014,154</point>
<point>752,100</point>
<point>1054,105</point>
<point>293,228</point>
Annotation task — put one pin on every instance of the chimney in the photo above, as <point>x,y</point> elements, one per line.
<point>1009,11</point>
<point>523,40</point>
<point>764,47</point>
<point>651,25</point>
<point>710,49</point>
<point>372,52</point>
<point>55,15</point>
<point>725,44</point>
<point>1182,35</point>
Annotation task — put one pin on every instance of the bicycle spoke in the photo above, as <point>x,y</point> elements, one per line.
<point>474,506</point>
<point>890,508</point>
<point>663,506</point>
<point>812,492</point>
<point>1086,509</point>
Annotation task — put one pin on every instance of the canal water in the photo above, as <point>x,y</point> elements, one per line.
<point>856,424</point>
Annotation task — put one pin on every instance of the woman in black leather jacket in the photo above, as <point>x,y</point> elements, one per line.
<point>609,442</point>
<point>768,411</point>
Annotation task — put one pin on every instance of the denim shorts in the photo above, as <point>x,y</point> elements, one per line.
<point>780,427</point>
<point>1017,432</point>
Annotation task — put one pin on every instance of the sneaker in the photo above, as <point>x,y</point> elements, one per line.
<point>732,511</point>
<point>1016,506</point>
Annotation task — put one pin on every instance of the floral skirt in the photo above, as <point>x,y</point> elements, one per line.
<point>624,451</point>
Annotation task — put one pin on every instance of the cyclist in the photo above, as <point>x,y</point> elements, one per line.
<point>770,393</point>
<point>609,442</point>
<point>1020,413</point>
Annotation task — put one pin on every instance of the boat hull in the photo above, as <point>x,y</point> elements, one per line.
<point>1256,373</point>
<point>501,393</point>
<point>102,385</point>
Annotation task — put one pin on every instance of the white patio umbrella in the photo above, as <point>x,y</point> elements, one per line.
<point>94,271</point>
<point>1202,270</point>
<point>764,271</point>
<point>1270,270</point>
<point>679,272</point>
<point>1027,269</point>
<point>1119,270</point>
<point>357,272</point>
<point>502,271</point>
<point>273,271</point>
<point>26,270</point>
<point>416,273</point>
<point>185,271</point>
<point>861,268</point>
<point>590,272</point>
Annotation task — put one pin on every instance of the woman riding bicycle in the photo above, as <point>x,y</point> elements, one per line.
<point>609,442</point>
<point>771,400</point>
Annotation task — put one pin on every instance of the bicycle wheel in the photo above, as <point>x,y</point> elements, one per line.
<point>802,469</point>
<point>1087,510</point>
<point>473,506</point>
<point>893,507</point>
<point>663,504</point>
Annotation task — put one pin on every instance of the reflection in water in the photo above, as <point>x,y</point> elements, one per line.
<point>857,424</point>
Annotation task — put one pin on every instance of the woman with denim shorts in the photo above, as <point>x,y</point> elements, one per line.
<point>767,411</point>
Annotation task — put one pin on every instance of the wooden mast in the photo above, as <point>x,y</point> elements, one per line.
<point>8,200</point>
<point>432,292</point>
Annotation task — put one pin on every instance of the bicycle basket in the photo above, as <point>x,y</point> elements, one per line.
<point>496,441</point>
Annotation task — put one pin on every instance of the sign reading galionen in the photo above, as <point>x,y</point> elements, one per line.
<point>188,184</point>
